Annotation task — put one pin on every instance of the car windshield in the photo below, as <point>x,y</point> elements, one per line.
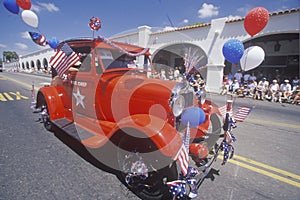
<point>114,59</point>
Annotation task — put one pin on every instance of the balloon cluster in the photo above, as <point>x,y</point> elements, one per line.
<point>29,18</point>
<point>233,50</point>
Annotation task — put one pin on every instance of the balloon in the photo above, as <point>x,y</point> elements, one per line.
<point>30,18</point>
<point>233,50</point>
<point>53,43</point>
<point>11,6</point>
<point>253,57</point>
<point>25,4</point>
<point>194,115</point>
<point>256,20</point>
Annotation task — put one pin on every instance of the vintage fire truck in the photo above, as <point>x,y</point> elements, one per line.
<point>157,134</point>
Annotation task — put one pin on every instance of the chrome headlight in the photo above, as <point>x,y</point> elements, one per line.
<point>178,104</point>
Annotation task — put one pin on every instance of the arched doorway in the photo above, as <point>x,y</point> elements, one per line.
<point>179,56</point>
<point>38,65</point>
<point>45,64</point>
<point>32,64</point>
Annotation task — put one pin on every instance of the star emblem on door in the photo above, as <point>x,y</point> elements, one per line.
<point>79,98</point>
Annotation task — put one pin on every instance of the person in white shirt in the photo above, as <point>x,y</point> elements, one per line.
<point>285,90</point>
<point>274,90</point>
<point>235,86</point>
<point>265,85</point>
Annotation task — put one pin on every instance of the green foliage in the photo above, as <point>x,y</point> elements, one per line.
<point>10,56</point>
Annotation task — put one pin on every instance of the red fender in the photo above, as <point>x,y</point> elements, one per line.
<point>163,135</point>
<point>53,96</point>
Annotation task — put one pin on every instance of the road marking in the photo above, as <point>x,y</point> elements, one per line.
<point>2,98</point>
<point>273,123</point>
<point>280,171</point>
<point>8,96</point>
<point>18,95</point>
<point>264,172</point>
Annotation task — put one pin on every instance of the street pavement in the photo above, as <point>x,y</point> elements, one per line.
<point>37,164</point>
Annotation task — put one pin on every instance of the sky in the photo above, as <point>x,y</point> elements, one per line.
<point>65,19</point>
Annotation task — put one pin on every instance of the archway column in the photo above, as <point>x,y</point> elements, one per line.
<point>214,78</point>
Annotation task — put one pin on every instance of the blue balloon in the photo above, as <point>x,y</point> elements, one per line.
<point>53,43</point>
<point>233,50</point>
<point>194,115</point>
<point>11,6</point>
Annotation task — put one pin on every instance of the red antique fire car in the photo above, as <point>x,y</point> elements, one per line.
<point>132,122</point>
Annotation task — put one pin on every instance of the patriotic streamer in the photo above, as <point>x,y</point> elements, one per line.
<point>38,38</point>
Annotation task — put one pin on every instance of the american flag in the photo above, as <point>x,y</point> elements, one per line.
<point>64,58</point>
<point>241,113</point>
<point>183,159</point>
<point>38,38</point>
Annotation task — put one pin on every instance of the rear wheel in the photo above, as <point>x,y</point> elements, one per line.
<point>143,169</point>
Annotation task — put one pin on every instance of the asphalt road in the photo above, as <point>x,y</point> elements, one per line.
<point>37,164</point>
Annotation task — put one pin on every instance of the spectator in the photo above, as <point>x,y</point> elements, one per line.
<point>170,74</point>
<point>235,85</point>
<point>274,90</point>
<point>259,92</point>
<point>251,88</point>
<point>285,90</point>
<point>246,77</point>
<point>238,76</point>
<point>225,87</point>
<point>176,73</point>
<point>295,83</point>
<point>252,77</point>
<point>265,87</point>
<point>296,95</point>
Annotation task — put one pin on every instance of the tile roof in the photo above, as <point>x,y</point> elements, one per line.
<point>281,12</point>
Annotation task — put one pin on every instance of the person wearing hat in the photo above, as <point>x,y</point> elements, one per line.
<point>264,84</point>
<point>285,90</point>
<point>274,90</point>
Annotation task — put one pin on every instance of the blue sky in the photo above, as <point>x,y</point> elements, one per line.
<point>65,19</point>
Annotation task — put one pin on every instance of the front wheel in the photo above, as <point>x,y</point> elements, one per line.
<point>45,116</point>
<point>141,171</point>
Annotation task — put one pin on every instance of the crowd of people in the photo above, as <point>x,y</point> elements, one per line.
<point>248,85</point>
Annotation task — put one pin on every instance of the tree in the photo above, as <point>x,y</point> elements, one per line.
<point>9,56</point>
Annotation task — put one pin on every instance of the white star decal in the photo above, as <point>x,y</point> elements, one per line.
<point>79,98</point>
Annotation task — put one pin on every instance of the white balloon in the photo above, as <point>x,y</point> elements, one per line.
<point>30,18</point>
<point>252,58</point>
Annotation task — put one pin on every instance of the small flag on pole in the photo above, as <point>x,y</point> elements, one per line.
<point>183,159</point>
<point>64,58</point>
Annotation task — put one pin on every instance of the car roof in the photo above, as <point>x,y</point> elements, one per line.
<point>99,42</point>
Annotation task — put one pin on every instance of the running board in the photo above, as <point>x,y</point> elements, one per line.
<point>72,129</point>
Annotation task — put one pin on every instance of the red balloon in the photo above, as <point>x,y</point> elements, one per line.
<point>256,20</point>
<point>25,4</point>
